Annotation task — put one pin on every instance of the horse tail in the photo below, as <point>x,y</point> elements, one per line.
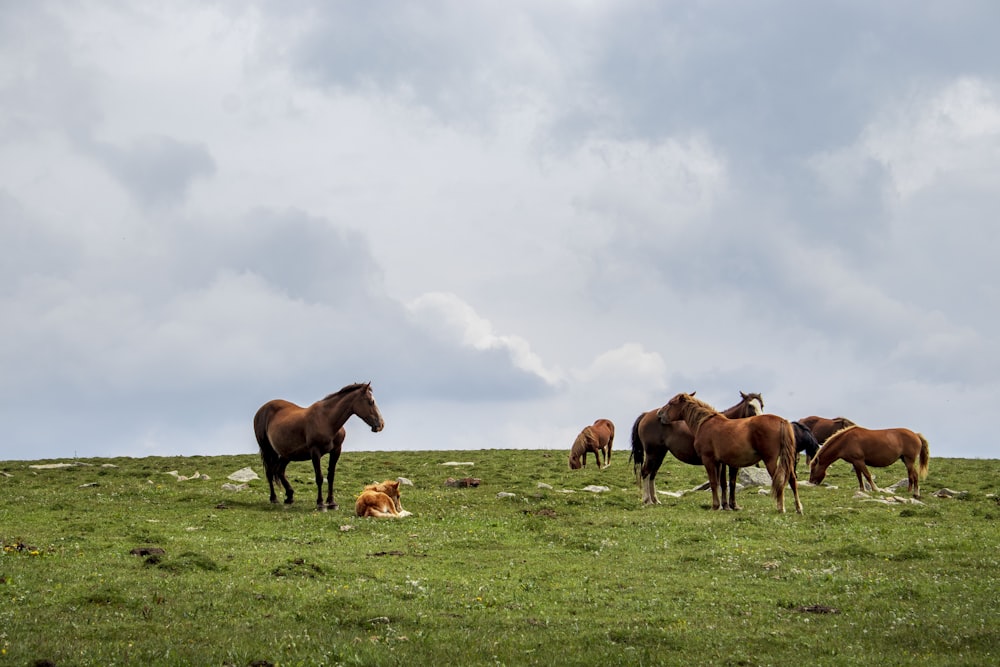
<point>925,456</point>
<point>785,467</point>
<point>611,441</point>
<point>638,453</point>
<point>268,455</point>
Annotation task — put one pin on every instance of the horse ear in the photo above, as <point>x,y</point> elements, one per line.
<point>744,396</point>
<point>692,393</point>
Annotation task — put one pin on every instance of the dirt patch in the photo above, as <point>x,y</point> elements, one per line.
<point>298,568</point>
<point>817,609</point>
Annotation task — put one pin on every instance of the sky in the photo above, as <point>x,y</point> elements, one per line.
<point>512,218</point>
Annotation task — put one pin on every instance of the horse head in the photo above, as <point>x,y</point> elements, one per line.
<point>753,404</point>
<point>816,473</point>
<point>366,408</point>
<point>674,409</point>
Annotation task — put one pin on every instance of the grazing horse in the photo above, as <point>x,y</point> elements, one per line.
<point>822,428</point>
<point>287,432</point>
<point>653,438</point>
<point>805,441</point>
<point>862,447</point>
<point>596,438</point>
<point>739,442</point>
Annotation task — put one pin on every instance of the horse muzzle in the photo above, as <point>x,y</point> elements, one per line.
<point>378,427</point>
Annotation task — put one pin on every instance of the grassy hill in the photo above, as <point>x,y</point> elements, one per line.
<point>551,574</point>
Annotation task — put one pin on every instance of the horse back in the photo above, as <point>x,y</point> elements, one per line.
<point>604,429</point>
<point>875,447</point>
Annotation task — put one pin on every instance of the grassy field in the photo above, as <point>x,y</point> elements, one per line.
<point>545,576</point>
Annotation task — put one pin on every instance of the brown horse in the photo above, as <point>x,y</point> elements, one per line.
<point>381,501</point>
<point>596,438</point>
<point>862,447</point>
<point>822,428</point>
<point>287,432</point>
<point>652,439</point>
<point>738,442</point>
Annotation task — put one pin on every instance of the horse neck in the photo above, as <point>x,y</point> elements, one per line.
<point>738,411</point>
<point>827,454</point>
<point>338,409</point>
<point>695,415</point>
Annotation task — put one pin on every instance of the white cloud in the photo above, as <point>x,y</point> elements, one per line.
<point>446,315</point>
<point>951,134</point>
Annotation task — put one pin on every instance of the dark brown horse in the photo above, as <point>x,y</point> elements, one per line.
<point>805,441</point>
<point>822,428</point>
<point>596,438</point>
<point>738,442</point>
<point>652,439</point>
<point>862,447</point>
<point>287,432</point>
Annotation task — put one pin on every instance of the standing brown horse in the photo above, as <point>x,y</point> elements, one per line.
<point>738,442</point>
<point>653,438</point>
<point>287,432</point>
<point>862,447</point>
<point>822,428</point>
<point>596,438</point>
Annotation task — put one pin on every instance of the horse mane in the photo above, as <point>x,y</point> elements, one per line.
<point>696,410</point>
<point>347,390</point>
<point>826,449</point>
<point>582,442</point>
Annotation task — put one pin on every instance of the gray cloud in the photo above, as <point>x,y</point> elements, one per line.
<point>522,216</point>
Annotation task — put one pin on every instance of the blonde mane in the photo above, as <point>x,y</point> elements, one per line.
<point>695,411</point>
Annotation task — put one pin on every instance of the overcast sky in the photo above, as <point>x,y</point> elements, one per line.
<point>513,218</point>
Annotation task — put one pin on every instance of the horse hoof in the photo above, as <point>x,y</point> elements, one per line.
<point>321,508</point>
<point>333,506</point>
<point>289,501</point>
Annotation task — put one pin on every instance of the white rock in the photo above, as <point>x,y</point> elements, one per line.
<point>244,475</point>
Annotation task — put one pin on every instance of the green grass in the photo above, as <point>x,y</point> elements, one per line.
<point>545,577</point>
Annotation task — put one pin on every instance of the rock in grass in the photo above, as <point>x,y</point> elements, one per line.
<point>244,475</point>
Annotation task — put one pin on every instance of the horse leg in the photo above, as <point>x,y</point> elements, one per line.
<point>860,469</point>
<point>794,483</point>
<point>733,474</point>
<point>723,488</point>
<point>779,491</point>
<point>331,471</point>
<point>280,474</point>
<point>317,461</point>
<point>712,468</point>
<point>649,469</point>
<point>270,482</point>
<point>913,478</point>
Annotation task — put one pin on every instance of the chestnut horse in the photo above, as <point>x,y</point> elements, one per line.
<point>738,442</point>
<point>862,447</point>
<point>596,438</point>
<point>652,439</point>
<point>822,428</point>
<point>287,432</point>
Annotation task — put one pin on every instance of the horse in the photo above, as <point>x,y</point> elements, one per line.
<point>653,438</point>
<point>805,441</point>
<point>862,447</point>
<point>822,428</point>
<point>738,442</point>
<point>286,432</point>
<point>380,501</point>
<point>596,438</point>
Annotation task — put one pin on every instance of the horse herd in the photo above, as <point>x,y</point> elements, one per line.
<point>686,427</point>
